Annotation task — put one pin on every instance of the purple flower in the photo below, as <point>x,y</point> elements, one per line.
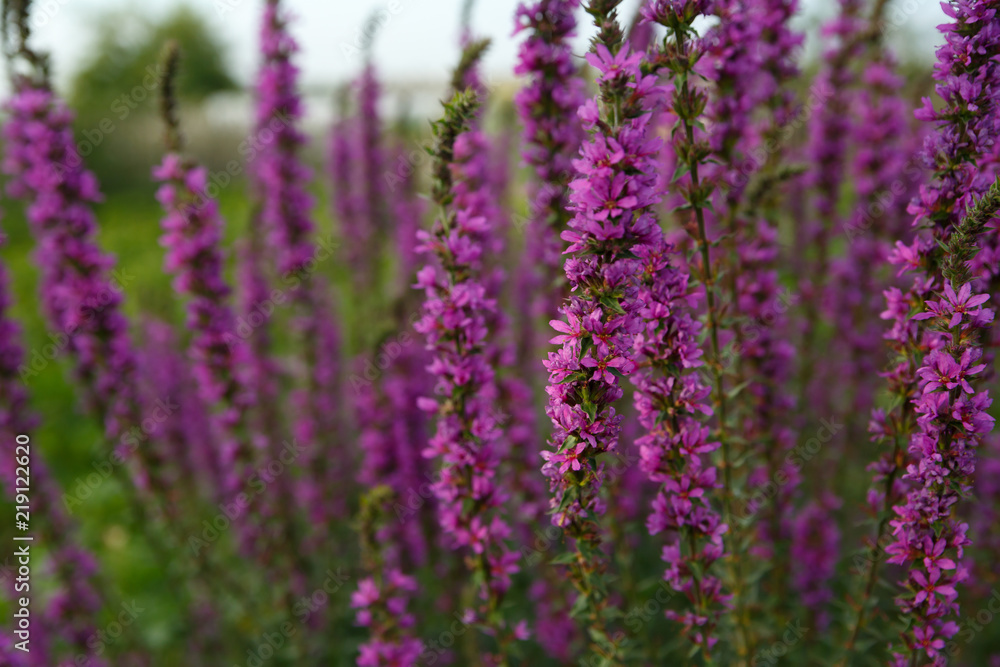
<point>459,315</point>
<point>193,239</point>
<point>70,611</point>
<point>282,178</point>
<point>953,307</point>
<point>951,419</point>
<point>381,607</point>
<point>79,294</point>
<point>547,107</point>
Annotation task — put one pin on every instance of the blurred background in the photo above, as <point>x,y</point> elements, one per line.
<point>103,49</point>
<point>104,56</point>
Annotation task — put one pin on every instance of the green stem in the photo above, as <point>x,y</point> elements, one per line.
<point>708,279</point>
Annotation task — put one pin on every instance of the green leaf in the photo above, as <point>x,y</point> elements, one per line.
<point>598,636</point>
<point>567,558</point>
<point>579,606</point>
<point>612,305</point>
<point>735,391</point>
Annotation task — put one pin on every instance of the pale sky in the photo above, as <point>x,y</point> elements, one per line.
<point>418,39</point>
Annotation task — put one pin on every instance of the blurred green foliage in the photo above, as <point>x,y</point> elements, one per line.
<point>123,58</point>
<point>115,91</point>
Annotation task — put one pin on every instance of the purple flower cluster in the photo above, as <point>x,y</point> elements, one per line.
<point>547,107</point>
<point>829,131</point>
<point>950,415</point>
<point>279,171</point>
<point>878,217</point>
<point>357,164</point>
<point>457,308</point>
<point>766,359</point>
<point>192,464</point>
<point>374,211</point>
<point>831,126</point>
<point>71,611</point>
<point>969,84</point>
<point>346,195</point>
<point>286,213</point>
<point>748,55</point>
<point>192,236</point>
<point>814,549</point>
<point>80,297</point>
<point>951,421</point>
<point>408,211</point>
<point>679,457</point>
<point>676,447</point>
<point>749,59</point>
<point>382,609</point>
<point>328,475</point>
<point>393,430</point>
<point>610,199</point>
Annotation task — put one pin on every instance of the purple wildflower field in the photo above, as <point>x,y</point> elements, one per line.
<point>681,353</point>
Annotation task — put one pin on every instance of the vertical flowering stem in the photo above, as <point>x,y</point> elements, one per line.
<point>454,322</point>
<point>675,449</point>
<point>828,146</point>
<point>381,598</point>
<point>286,207</point>
<point>941,417</point>
<point>346,197</point>
<point>879,162</point>
<point>374,200</point>
<point>547,106</point>
<point>748,57</point>
<point>193,237</point>
<point>688,103</point>
<point>611,199</point>
<point>72,612</point>
<point>79,297</point>
<point>951,422</point>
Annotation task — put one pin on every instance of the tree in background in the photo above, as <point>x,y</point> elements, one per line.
<point>114,89</point>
